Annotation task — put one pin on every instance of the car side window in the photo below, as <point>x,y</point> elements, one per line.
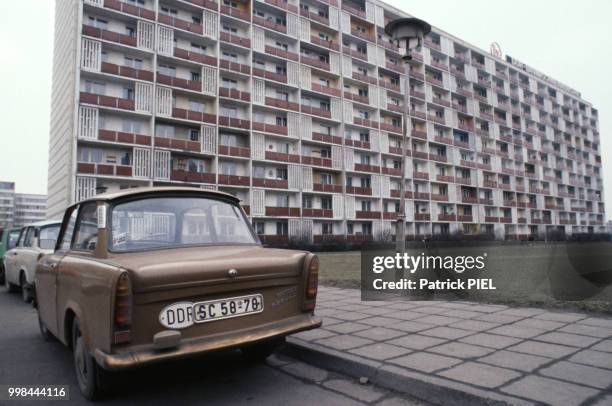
<point>68,232</point>
<point>12,239</point>
<point>29,237</point>
<point>21,238</point>
<point>86,232</point>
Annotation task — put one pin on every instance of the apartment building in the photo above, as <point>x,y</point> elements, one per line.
<point>296,107</point>
<point>19,209</point>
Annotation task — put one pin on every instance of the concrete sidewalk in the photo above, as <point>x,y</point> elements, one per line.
<point>463,352</point>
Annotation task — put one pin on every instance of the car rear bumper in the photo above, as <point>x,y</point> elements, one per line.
<point>189,347</point>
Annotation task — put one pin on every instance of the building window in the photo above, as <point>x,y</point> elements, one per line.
<point>327,228</point>
<point>326,203</point>
<point>282,228</point>
<point>307,202</point>
<point>259,227</point>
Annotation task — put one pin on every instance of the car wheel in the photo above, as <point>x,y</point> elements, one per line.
<point>44,331</point>
<point>260,351</point>
<point>10,288</point>
<point>26,292</point>
<point>89,375</point>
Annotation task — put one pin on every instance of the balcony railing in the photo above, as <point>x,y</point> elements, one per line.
<point>315,17</point>
<point>109,35</point>
<point>317,161</point>
<point>195,57</point>
<point>262,73</point>
<point>181,24</point>
<point>123,137</point>
<point>315,87</point>
<point>106,101</point>
<point>104,169</point>
<point>326,213</point>
<point>192,177</point>
<point>240,152</point>
<point>315,111</point>
<point>332,139</point>
<point>235,94</point>
<point>270,128</point>
<point>194,115</point>
<point>234,66</point>
<point>234,122</point>
<point>235,39</point>
<point>126,71</point>
<point>326,187</point>
<point>315,62</point>
<point>210,4</point>
<point>237,13</point>
<point>174,143</point>
<point>283,4</point>
<point>195,85</point>
<point>130,9</point>
<point>282,104</point>
<point>234,180</point>
<point>324,43</point>
<point>270,24</point>
<point>281,53</point>
<point>282,157</point>
<point>283,211</point>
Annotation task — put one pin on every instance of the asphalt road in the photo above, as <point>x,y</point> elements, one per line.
<point>224,379</point>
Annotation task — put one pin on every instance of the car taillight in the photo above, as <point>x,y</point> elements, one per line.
<point>312,284</point>
<point>123,310</point>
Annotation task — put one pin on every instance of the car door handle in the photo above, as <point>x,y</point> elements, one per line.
<point>53,266</point>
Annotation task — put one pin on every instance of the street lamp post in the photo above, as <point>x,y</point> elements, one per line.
<point>408,34</point>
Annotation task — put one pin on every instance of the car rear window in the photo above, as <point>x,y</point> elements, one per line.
<point>48,236</point>
<point>164,222</point>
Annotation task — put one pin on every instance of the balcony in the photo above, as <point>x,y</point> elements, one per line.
<point>439,197</point>
<point>104,169</point>
<point>326,213</point>
<point>369,215</point>
<point>235,39</point>
<point>195,85</point>
<point>356,190</point>
<point>391,171</point>
<point>106,101</point>
<point>422,216</point>
<point>234,180</point>
<point>234,94</point>
<point>174,143</point>
<point>389,85</point>
<point>262,73</point>
<point>447,217</point>
<point>356,97</point>
<point>363,35</point>
<point>353,10</point>
<point>431,44</point>
<point>123,137</point>
<point>315,62</point>
<point>281,53</point>
<point>283,4</point>
<point>210,4</point>
<point>332,91</point>
<point>365,122</point>
<point>194,115</point>
<point>362,77</point>
<point>357,143</point>
<point>128,8</point>
<point>238,152</point>
<point>317,161</point>
<point>181,24</point>
<point>109,35</point>
<point>234,122</point>
<point>326,187</point>
<point>235,66</point>
<point>445,178</point>
<point>331,139</point>
<point>282,157</point>
<point>316,111</point>
<point>282,104</point>
<point>270,24</point>
<point>271,183</point>
<point>324,43</point>
<point>283,211</point>
<point>126,71</point>
<point>192,177</point>
<point>270,128</point>
<point>367,168</point>
<point>195,57</point>
<point>314,16</point>
<point>391,128</point>
<point>236,13</point>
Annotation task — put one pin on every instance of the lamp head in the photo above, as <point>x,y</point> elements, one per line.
<point>408,34</point>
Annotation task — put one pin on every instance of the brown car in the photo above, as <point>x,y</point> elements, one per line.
<point>155,274</point>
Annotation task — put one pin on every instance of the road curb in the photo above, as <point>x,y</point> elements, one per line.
<point>426,387</point>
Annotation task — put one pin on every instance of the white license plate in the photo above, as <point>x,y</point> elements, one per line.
<point>219,309</point>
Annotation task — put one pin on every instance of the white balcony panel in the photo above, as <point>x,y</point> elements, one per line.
<point>143,97</point>
<point>85,187</point>
<point>163,101</point>
<point>210,24</point>
<point>209,139</point>
<point>209,80</point>
<point>88,123</point>
<point>91,55</point>
<point>162,165</point>
<point>145,35</point>
<point>142,162</point>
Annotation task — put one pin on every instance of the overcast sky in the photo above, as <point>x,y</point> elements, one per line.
<point>567,40</point>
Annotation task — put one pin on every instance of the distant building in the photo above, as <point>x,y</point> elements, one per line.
<point>19,209</point>
<point>7,203</point>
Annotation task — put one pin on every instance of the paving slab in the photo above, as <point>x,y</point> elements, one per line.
<point>515,360</point>
<point>549,391</point>
<point>346,327</point>
<point>381,351</point>
<point>447,332</point>
<point>578,373</point>
<point>343,342</point>
<point>425,362</point>
<point>461,350</point>
<point>490,340</point>
<point>480,374</point>
<point>379,333</point>
<point>605,346</point>
<point>474,325</point>
<point>417,341</point>
<point>593,358</point>
<point>543,349</point>
<point>593,331</point>
<point>573,340</point>
<point>517,331</point>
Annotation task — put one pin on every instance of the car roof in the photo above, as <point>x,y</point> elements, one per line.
<point>157,190</point>
<point>44,223</point>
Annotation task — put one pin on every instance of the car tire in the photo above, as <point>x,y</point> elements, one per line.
<point>26,289</point>
<point>44,331</point>
<point>8,286</point>
<point>260,351</point>
<point>90,377</point>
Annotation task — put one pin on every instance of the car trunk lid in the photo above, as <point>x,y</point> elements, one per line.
<point>206,266</point>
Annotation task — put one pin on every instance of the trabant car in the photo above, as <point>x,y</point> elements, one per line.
<point>154,274</point>
<point>8,240</point>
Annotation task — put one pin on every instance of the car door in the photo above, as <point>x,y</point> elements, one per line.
<point>27,255</point>
<point>47,272</point>
<point>11,259</point>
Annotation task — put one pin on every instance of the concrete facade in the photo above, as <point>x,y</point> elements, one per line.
<point>296,107</point>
